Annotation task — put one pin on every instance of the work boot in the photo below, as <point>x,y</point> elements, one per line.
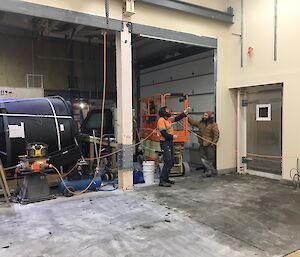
<point>211,173</point>
<point>170,181</point>
<point>215,172</point>
<point>207,164</point>
<point>208,173</point>
<point>164,184</point>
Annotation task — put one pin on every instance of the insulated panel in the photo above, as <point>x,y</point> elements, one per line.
<point>189,85</point>
<point>179,72</point>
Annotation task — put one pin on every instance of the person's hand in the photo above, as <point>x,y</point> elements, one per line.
<point>187,110</point>
<point>175,136</point>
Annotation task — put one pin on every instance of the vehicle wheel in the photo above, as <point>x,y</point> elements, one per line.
<point>186,169</point>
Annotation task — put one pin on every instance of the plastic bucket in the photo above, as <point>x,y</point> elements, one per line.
<point>148,171</point>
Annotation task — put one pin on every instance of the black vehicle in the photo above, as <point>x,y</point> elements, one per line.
<point>92,122</point>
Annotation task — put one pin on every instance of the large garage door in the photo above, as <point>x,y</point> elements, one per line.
<point>194,76</point>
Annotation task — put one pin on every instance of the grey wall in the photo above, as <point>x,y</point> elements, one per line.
<point>192,75</point>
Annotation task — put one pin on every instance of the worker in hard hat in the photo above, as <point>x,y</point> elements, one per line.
<point>167,136</point>
<point>208,136</point>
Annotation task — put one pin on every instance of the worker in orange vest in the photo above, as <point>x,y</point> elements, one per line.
<point>167,136</point>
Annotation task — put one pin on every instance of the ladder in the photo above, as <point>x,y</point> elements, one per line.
<point>4,185</point>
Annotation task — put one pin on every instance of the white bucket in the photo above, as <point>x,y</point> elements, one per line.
<point>148,171</point>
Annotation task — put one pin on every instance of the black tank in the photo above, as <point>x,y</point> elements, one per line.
<point>48,120</point>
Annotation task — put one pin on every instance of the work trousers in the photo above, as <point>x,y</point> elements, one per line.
<point>167,149</point>
<point>208,153</point>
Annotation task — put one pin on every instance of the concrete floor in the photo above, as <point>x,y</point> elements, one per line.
<point>229,215</point>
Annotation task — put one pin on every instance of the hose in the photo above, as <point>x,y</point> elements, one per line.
<point>295,176</point>
<point>101,131</point>
<point>125,148</point>
<point>103,100</point>
<point>67,188</point>
<point>96,172</point>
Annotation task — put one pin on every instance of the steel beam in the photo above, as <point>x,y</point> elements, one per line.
<point>53,13</point>
<point>171,35</point>
<point>213,14</point>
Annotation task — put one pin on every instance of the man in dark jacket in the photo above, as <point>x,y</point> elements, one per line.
<point>208,136</point>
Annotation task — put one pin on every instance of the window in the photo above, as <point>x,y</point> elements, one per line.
<point>263,112</point>
<point>94,122</point>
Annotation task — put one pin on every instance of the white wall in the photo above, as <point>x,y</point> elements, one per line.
<point>261,68</point>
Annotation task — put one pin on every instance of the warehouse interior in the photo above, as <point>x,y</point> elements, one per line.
<point>81,89</point>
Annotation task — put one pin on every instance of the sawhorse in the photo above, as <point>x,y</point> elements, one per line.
<point>4,185</point>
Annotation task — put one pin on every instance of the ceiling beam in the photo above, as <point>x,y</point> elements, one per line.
<point>173,36</point>
<point>52,26</point>
<point>226,17</point>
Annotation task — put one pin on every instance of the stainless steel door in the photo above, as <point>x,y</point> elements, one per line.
<point>264,114</point>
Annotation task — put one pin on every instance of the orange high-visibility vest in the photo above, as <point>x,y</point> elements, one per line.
<point>164,124</point>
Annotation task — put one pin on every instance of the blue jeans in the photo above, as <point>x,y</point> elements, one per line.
<point>169,159</point>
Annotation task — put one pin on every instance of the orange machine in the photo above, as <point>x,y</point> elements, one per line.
<point>149,107</point>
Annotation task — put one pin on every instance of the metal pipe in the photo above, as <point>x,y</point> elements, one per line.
<point>298,175</point>
<point>238,132</point>
<point>179,79</point>
<point>275,28</point>
<point>177,64</point>
<point>201,94</point>
<point>215,82</point>
<point>32,59</point>
<point>242,33</point>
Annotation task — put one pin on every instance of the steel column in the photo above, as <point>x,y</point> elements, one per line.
<point>124,107</point>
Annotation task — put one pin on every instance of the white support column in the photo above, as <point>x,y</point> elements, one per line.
<point>241,132</point>
<point>124,107</point>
